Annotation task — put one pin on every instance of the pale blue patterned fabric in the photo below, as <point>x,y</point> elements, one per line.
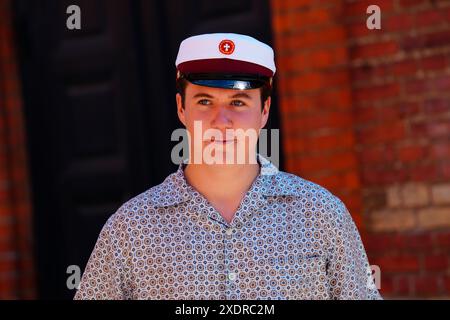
<point>289,239</point>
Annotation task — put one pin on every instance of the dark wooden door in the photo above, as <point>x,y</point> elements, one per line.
<point>100,110</point>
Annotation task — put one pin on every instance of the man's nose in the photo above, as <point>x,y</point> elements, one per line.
<point>221,118</point>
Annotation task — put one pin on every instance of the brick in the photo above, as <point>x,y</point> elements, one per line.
<point>419,129</point>
<point>397,263</point>
<point>423,41</point>
<point>334,100</point>
<point>444,169</point>
<point>393,196</point>
<point>440,193</point>
<point>399,22</point>
<point>8,264</point>
<point>314,121</point>
<point>373,50</point>
<point>436,105</point>
<point>425,286</point>
<point>407,67</point>
<point>378,115</point>
<point>294,62</point>
<point>443,240</point>
<point>376,93</point>
<point>359,29</point>
<point>340,162</point>
<point>392,220</point>
<point>305,83</point>
<point>339,183</point>
<point>339,99</point>
<point>446,282</point>
<point>316,38</point>
<point>6,245</point>
<point>290,105</point>
<point>383,176</point>
<point>377,154</point>
<point>313,17</point>
<point>297,148</point>
<point>310,163</point>
<point>414,242</point>
<point>293,20</point>
<point>5,194</point>
<point>429,18</point>
<point>380,242</point>
<point>416,87</point>
<point>436,262</point>
<point>411,153</point>
<point>402,285</point>
<point>434,218</point>
<point>330,141</point>
<point>313,81</point>
<point>362,74</point>
<point>434,62</point>
<point>7,227</point>
<point>424,173</point>
<point>415,194</point>
<point>441,83</point>
<point>440,150</point>
<point>407,109</point>
<point>382,133</point>
<point>387,285</point>
<point>407,4</point>
<point>351,178</point>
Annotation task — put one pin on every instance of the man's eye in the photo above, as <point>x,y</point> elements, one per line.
<point>237,103</point>
<point>204,102</point>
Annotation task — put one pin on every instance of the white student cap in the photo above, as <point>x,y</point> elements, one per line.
<point>225,60</point>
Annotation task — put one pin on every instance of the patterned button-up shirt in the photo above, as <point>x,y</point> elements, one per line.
<point>289,239</point>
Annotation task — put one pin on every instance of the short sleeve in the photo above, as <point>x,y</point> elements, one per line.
<point>103,276</point>
<point>349,272</point>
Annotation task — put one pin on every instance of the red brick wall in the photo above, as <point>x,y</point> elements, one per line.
<point>366,113</point>
<point>16,263</point>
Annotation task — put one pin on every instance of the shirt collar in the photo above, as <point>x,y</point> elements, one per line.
<point>175,188</point>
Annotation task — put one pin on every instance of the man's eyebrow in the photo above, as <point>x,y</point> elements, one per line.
<point>203,95</point>
<point>241,95</point>
<point>237,95</point>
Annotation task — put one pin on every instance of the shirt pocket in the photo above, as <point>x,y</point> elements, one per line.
<point>305,276</point>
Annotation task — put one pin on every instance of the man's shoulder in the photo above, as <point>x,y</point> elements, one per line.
<point>290,184</point>
<point>294,185</point>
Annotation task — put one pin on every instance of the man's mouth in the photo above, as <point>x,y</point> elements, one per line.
<point>221,141</point>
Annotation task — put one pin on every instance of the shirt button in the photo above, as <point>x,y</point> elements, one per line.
<point>232,276</point>
<point>229,232</point>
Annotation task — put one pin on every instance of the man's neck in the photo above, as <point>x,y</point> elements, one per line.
<point>223,186</point>
<point>221,181</point>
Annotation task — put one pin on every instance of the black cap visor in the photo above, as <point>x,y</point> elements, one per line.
<point>227,81</point>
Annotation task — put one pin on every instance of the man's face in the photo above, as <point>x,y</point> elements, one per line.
<point>222,111</point>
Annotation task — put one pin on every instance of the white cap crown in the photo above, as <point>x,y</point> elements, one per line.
<point>230,46</point>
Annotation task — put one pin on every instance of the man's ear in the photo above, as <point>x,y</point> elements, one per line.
<point>265,112</point>
<point>180,109</point>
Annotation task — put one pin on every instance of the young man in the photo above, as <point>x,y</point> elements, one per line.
<point>228,224</point>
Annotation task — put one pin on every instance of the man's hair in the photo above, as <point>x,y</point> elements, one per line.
<point>181,84</point>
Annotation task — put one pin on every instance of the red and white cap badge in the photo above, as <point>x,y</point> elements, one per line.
<point>226,46</point>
